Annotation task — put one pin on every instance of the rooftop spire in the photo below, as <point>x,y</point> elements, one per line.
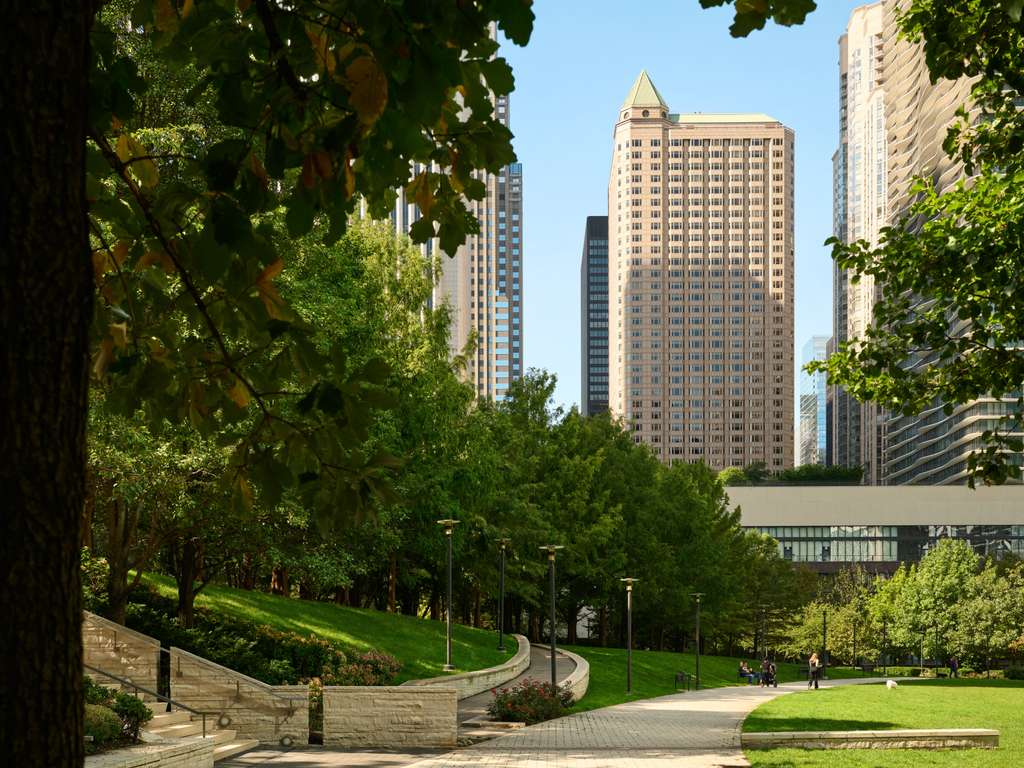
<point>644,94</point>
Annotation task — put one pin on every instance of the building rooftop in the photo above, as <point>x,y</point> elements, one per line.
<point>920,505</point>
<point>643,94</point>
<point>702,118</point>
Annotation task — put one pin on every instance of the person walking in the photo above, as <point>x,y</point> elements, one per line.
<point>813,671</point>
<point>954,667</point>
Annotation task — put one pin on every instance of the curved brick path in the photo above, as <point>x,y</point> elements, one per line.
<point>686,730</point>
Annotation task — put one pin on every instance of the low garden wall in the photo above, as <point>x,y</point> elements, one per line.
<point>191,753</point>
<point>390,716</point>
<point>579,680</point>
<point>917,738</point>
<point>471,683</point>
<point>271,714</point>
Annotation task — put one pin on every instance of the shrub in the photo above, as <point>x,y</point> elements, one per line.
<point>255,650</point>
<point>97,694</point>
<point>95,572</point>
<point>1014,673</point>
<point>529,702</point>
<point>132,712</point>
<point>102,727</point>
<point>370,668</point>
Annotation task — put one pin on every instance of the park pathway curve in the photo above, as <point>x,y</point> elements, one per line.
<point>686,730</point>
<point>539,669</point>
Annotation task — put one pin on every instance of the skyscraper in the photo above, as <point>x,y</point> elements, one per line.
<point>594,317</point>
<point>483,281</point>
<point>700,240</point>
<point>813,404</point>
<point>859,213</point>
<point>932,447</point>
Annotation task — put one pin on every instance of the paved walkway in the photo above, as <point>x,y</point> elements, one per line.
<point>539,669</point>
<point>685,730</point>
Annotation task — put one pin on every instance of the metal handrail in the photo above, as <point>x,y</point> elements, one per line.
<point>238,676</point>
<point>160,697</point>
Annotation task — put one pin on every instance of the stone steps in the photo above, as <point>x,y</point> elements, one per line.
<point>233,747</point>
<point>179,724</point>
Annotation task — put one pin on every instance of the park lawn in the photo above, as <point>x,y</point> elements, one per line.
<point>995,704</point>
<point>418,643</point>
<point>654,674</point>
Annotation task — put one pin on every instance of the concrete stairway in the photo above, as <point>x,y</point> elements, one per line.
<point>179,725</point>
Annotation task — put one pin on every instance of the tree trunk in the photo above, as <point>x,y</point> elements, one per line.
<point>570,621</point>
<point>45,310</point>
<point>392,581</point>
<point>186,575</point>
<point>279,581</point>
<point>602,625</point>
<point>476,607</point>
<point>247,577</point>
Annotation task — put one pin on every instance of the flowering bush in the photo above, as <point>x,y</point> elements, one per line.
<point>531,701</point>
<point>370,668</point>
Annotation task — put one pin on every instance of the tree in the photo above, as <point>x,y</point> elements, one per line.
<point>753,15</point>
<point>951,267</point>
<point>360,92</point>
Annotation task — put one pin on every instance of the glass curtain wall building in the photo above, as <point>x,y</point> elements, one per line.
<point>813,404</point>
<point>594,317</point>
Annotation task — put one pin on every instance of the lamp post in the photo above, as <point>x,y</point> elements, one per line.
<point>629,632</point>
<point>764,634</point>
<point>697,596</point>
<point>551,549</point>
<point>885,646</point>
<point>824,642</point>
<point>503,544</point>
<point>449,527</point>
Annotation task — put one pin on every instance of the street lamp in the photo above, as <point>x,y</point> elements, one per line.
<point>697,596</point>
<point>885,646</point>
<point>629,632</point>
<point>764,634</point>
<point>449,527</point>
<point>503,544</point>
<point>551,549</point>
<point>824,642</point>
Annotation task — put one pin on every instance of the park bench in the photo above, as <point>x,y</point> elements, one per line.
<point>684,680</point>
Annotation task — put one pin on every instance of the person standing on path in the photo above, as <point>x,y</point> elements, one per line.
<point>813,671</point>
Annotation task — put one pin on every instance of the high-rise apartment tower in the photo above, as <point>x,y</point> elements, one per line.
<point>700,283</point>
<point>594,317</point>
<point>859,213</point>
<point>483,281</point>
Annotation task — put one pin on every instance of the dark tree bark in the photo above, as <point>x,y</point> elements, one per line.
<point>571,615</point>
<point>602,625</point>
<point>46,293</point>
<point>279,581</point>
<point>392,582</point>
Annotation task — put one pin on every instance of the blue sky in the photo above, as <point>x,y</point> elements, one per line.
<point>570,80</point>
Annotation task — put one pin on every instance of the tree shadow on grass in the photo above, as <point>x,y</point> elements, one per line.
<point>773,724</point>
<point>963,682</point>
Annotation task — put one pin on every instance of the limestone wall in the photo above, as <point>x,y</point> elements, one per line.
<point>579,679</point>
<point>120,651</point>
<point>390,716</point>
<point>471,683</point>
<point>255,710</point>
<point>191,753</point>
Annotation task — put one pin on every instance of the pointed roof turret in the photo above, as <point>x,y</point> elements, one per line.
<point>644,94</point>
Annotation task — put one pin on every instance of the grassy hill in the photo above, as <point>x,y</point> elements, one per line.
<point>654,674</point>
<point>418,643</point>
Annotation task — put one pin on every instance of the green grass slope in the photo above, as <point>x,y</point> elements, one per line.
<point>418,643</point>
<point>995,704</point>
<point>654,674</point>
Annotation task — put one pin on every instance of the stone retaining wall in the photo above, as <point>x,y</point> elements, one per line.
<point>390,716</point>
<point>923,738</point>
<point>578,681</point>
<point>120,651</point>
<point>191,753</point>
<point>471,683</point>
<point>275,714</point>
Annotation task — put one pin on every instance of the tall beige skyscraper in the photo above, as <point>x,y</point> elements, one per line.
<point>700,283</point>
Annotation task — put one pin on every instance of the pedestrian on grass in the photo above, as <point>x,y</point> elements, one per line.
<point>813,671</point>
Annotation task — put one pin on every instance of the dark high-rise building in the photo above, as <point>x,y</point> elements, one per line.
<point>594,317</point>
